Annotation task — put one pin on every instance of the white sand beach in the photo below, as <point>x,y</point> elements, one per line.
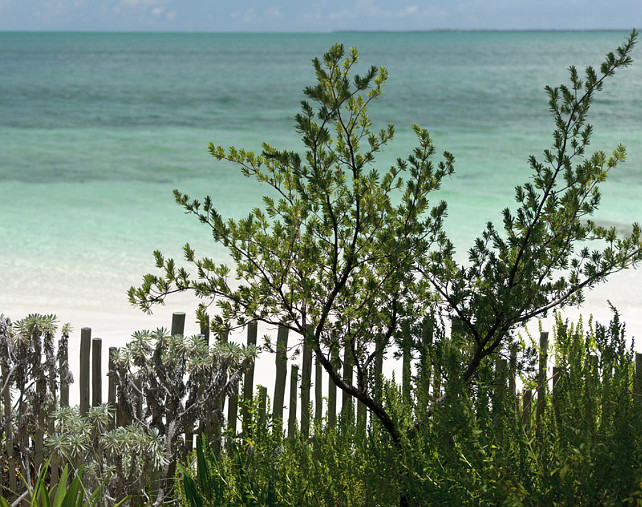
<point>113,319</point>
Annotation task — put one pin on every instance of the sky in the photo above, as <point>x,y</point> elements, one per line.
<point>316,15</point>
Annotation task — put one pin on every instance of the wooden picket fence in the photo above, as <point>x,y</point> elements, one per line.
<point>305,395</point>
<point>91,379</point>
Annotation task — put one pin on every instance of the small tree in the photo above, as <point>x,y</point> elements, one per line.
<point>542,260</point>
<point>346,255</point>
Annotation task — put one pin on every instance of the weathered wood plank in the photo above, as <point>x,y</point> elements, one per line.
<point>83,381</point>
<point>178,323</point>
<point>332,390</point>
<point>63,361</point>
<point>294,381</point>
<point>347,410</point>
<point>248,382</point>
<point>306,385</point>
<point>542,376</point>
<point>318,391</point>
<point>96,372</point>
<point>281,363</point>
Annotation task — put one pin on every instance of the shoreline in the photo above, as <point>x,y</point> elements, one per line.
<point>114,320</point>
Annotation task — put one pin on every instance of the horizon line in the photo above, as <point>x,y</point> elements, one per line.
<point>329,32</point>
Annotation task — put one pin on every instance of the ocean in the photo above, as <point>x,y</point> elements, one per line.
<point>97,129</point>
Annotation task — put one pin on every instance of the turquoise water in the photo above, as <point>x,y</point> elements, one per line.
<point>97,129</point>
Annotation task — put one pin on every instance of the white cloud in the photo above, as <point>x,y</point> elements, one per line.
<point>157,11</point>
<point>171,15</point>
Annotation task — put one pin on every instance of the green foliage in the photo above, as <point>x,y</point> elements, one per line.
<point>349,255</point>
<point>59,495</point>
<point>270,470</point>
<point>121,462</point>
<point>584,450</point>
<point>32,371</point>
<point>166,382</point>
<point>477,449</point>
<point>331,255</point>
<point>176,378</point>
<point>541,260</point>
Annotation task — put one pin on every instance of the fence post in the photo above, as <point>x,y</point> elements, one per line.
<point>346,399</point>
<point>294,380</point>
<point>499,397</point>
<point>405,361</point>
<point>138,407</point>
<point>541,378</point>
<point>281,361</point>
<point>362,418</point>
<point>178,323</point>
<point>512,384</point>
<point>332,389</point>
<point>378,367</point>
<point>233,410</point>
<point>85,348</point>
<point>318,391</point>
<point>306,385</point>
<point>96,372</point>
<point>248,382</point>
<point>205,334</point>
<point>122,415</point>
<point>111,387</point>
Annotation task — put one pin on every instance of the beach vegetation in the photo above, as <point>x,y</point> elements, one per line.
<point>127,452</point>
<point>483,446</point>
<point>355,260</point>
<point>166,382</point>
<point>34,369</point>
<point>65,492</point>
<point>120,463</point>
<point>578,444</point>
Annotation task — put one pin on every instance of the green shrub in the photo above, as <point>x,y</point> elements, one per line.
<point>347,254</point>
<point>476,450</point>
